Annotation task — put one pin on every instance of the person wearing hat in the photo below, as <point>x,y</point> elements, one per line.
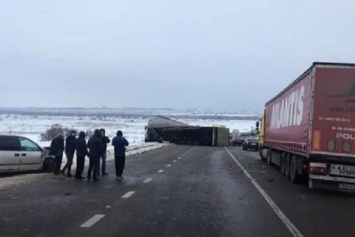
<point>120,143</point>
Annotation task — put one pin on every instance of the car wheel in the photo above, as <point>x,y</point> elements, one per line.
<point>294,176</point>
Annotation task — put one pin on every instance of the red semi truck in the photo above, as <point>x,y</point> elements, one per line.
<point>309,128</point>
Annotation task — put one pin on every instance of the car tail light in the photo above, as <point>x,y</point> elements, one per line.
<point>346,146</point>
<point>318,168</point>
<point>316,140</point>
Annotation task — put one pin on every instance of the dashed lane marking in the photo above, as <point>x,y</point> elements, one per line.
<point>290,226</point>
<point>174,161</point>
<point>179,158</point>
<point>148,180</point>
<point>92,221</point>
<point>128,194</point>
<point>169,165</point>
<point>160,171</point>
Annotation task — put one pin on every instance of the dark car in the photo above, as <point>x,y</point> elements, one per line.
<point>238,141</point>
<point>251,143</point>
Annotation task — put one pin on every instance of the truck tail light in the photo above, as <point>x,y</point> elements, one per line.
<point>346,146</point>
<point>331,145</point>
<point>316,140</point>
<point>318,168</point>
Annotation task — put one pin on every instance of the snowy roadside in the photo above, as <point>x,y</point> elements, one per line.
<point>7,183</point>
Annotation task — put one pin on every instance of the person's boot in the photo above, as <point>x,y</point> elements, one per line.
<point>69,175</point>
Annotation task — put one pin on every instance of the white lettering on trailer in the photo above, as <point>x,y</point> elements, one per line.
<point>289,111</point>
<point>346,136</point>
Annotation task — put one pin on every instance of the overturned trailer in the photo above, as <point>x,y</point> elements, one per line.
<point>161,129</point>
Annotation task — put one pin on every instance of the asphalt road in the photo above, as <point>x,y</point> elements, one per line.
<point>177,191</point>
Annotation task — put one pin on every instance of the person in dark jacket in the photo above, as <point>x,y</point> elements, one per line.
<point>70,145</point>
<point>56,150</point>
<point>105,140</point>
<point>120,143</point>
<point>95,150</point>
<point>81,152</point>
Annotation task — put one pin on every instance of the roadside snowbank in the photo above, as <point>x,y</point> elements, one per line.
<point>7,183</point>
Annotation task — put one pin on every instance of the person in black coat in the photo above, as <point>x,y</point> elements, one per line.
<point>120,143</point>
<point>81,152</point>
<point>95,150</point>
<point>70,146</point>
<point>56,150</point>
<point>105,140</point>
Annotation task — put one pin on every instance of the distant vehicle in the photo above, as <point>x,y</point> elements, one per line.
<point>22,154</point>
<point>308,129</point>
<point>238,141</point>
<point>251,143</point>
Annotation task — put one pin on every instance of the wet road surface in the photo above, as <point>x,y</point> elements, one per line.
<point>177,191</point>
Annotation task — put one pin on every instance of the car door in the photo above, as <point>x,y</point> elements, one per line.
<point>31,155</point>
<point>9,153</point>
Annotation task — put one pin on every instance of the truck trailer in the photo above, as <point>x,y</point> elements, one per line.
<point>308,129</point>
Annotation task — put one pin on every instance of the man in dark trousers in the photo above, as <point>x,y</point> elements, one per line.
<point>56,150</point>
<point>81,153</point>
<point>95,151</point>
<point>70,145</point>
<point>120,143</point>
<point>105,140</point>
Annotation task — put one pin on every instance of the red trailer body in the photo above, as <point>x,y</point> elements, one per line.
<point>309,128</point>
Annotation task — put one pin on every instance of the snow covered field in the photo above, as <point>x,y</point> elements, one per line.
<point>133,128</point>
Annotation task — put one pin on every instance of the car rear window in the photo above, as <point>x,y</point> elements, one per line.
<point>8,143</point>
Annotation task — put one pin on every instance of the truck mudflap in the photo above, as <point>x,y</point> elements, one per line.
<point>331,183</point>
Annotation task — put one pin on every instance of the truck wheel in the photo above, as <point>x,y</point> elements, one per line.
<point>287,165</point>
<point>294,176</point>
<point>282,163</point>
<point>269,158</point>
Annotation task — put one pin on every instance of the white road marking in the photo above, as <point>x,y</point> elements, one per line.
<point>128,194</point>
<point>169,165</point>
<point>160,171</point>
<point>174,161</point>
<point>179,158</point>
<point>92,221</point>
<point>147,180</point>
<point>291,227</point>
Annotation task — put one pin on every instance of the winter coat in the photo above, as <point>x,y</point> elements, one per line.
<point>81,148</point>
<point>120,144</point>
<point>57,146</point>
<point>105,140</point>
<point>95,145</point>
<point>70,144</point>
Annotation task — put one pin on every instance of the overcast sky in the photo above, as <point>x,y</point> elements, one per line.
<point>224,55</point>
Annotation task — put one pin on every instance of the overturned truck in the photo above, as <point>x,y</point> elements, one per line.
<point>161,129</point>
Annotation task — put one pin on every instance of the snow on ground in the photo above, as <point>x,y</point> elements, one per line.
<point>133,128</point>
<point>7,183</point>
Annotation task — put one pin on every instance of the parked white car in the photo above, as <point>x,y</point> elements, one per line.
<point>22,154</point>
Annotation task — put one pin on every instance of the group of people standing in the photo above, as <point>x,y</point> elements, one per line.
<point>95,149</point>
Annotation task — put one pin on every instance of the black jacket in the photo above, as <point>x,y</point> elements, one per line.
<point>81,149</point>
<point>105,140</point>
<point>95,145</point>
<point>120,144</point>
<point>70,144</point>
<point>57,146</point>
